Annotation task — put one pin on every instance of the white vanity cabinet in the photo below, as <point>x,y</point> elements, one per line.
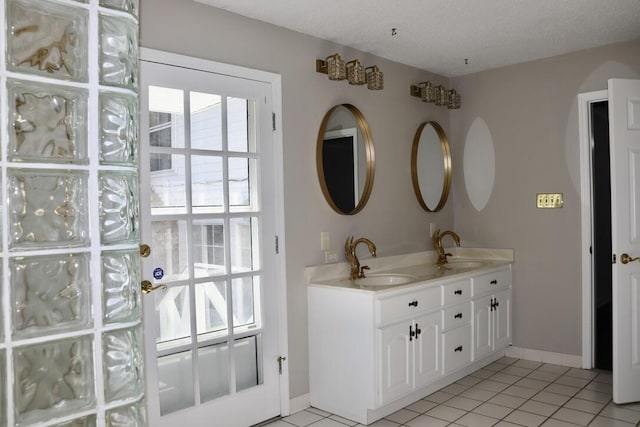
<point>372,352</point>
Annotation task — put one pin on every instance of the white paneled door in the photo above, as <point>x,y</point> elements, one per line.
<point>208,207</point>
<point>624,132</point>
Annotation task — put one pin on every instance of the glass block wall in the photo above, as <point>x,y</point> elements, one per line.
<point>70,329</point>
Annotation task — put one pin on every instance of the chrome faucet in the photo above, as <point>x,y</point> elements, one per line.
<point>350,245</point>
<point>437,244</point>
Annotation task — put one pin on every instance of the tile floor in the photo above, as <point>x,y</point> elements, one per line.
<point>508,392</point>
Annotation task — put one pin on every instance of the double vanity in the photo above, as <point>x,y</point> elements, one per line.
<point>408,328</point>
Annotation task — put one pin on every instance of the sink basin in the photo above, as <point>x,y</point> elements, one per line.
<point>459,265</point>
<point>384,279</point>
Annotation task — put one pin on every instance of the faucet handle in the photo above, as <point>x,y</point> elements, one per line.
<point>362,269</point>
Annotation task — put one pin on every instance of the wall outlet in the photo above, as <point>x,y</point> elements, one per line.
<point>325,240</point>
<point>330,257</point>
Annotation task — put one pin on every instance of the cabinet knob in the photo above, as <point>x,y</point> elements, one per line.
<point>411,333</point>
<point>494,282</point>
<point>457,292</point>
<point>459,348</point>
<point>413,303</point>
<point>418,330</point>
<point>458,316</point>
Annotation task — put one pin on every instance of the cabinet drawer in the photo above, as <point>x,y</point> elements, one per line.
<point>409,304</point>
<point>456,292</point>
<point>491,282</point>
<point>456,316</point>
<point>456,348</point>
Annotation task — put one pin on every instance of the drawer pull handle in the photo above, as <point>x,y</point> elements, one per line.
<point>413,303</point>
<point>418,331</point>
<point>458,316</point>
<point>494,282</point>
<point>411,333</point>
<point>458,292</point>
<point>459,348</point>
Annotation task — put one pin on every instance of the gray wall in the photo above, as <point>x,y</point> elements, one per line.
<point>531,111</point>
<point>392,219</point>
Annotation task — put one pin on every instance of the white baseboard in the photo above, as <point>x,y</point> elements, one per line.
<point>299,403</point>
<point>570,360</point>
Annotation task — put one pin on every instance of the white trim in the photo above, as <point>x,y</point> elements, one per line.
<point>275,80</point>
<point>300,403</point>
<point>561,359</point>
<point>585,141</point>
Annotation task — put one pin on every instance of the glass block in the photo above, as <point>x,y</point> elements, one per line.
<point>118,208</point>
<point>123,364</point>
<point>175,373</point>
<point>88,421</point>
<point>50,294</point>
<point>121,286</point>
<point>131,6</point>
<point>127,416</point>
<point>213,370</point>
<point>53,379</point>
<point>47,38</point>
<point>118,51</point>
<point>47,209</point>
<point>49,123</point>
<point>118,129</point>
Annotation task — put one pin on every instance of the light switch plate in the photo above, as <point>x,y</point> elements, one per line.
<point>549,200</point>
<point>325,240</point>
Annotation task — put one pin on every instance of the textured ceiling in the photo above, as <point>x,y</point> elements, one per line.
<point>437,35</point>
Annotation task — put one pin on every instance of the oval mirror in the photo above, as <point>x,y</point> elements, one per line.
<point>345,159</point>
<point>431,166</point>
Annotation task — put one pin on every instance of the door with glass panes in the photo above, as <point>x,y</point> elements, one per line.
<point>208,215</point>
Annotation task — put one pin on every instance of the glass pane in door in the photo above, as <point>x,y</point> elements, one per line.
<point>206,121</point>
<point>175,374</point>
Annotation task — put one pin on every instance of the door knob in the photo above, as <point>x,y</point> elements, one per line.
<point>625,258</point>
<point>147,287</point>
<point>145,250</point>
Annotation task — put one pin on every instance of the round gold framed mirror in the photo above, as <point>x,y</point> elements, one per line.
<point>345,159</point>
<point>431,166</point>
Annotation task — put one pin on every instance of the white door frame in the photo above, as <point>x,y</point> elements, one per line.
<point>152,55</point>
<point>586,144</point>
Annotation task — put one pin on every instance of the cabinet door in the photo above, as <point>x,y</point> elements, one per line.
<point>427,363</point>
<point>396,362</point>
<point>482,327</point>
<point>502,320</point>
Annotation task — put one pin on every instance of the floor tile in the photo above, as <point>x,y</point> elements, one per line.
<point>421,406</point>
<point>302,418</point>
<point>587,374</point>
<point>551,422</point>
<point>505,378</point>
<point>463,403</point>
<point>527,364</point>
<point>562,389</point>
<point>493,410</point>
<point>543,376</point>
<point>402,416</point>
<point>632,406</point>
<point>328,422</point>
<point>278,423</point>
<point>342,420</point>
<point>446,413</point>
<point>572,381</point>
<point>427,421</point>
<point>483,373</point>
<point>478,394</point>
<point>384,423</point>
<point>455,388</point>
<point>477,420</point>
<point>507,400</point>
<point>516,370</point>
<point>469,380</point>
<point>573,416</point>
<point>489,385</point>
<point>600,387</point>
<point>604,377</point>
<point>506,424</point>
<point>495,367</point>
<point>507,360</point>
<point>621,414</point>
<point>318,411</point>
<point>539,408</point>
<point>551,398</point>
<point>608,422</point>
<point>593,395</point>
<point>556,369</point>
<point>525,418</point>
<point>516,390</point>
<point>439,397</point>
<point>584,405</point>
<point>531,383</point>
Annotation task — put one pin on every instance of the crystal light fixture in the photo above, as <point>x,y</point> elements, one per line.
<point>333,67</point>
<point>375,78</point>
<point>427,92</point>
<point>453,100</point>
<point>439,95</point>
<point>355,73</point>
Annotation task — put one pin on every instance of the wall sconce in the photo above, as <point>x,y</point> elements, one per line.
<point>375,78</point>
<point>439,95</point>
<point>353,71</point>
